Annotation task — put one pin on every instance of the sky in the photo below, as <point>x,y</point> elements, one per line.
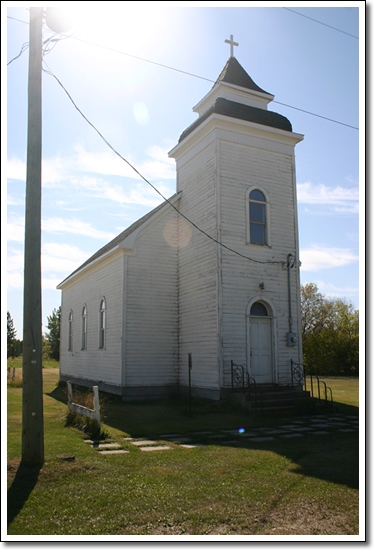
<point>136,70</point>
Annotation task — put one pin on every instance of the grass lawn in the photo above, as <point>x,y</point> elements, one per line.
<point>230,486</point>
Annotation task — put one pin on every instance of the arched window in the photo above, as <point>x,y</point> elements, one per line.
<point>70,331</point>
<point>257,217</point>
<point>258,309</point>
<point>84,327</point>
<point>102,324</point>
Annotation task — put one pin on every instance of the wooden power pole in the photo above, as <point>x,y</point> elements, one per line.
<point>32,394</point>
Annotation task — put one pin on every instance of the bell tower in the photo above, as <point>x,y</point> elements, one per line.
<point>239,294</point>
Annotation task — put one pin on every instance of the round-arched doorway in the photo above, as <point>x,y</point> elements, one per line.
<point>261,358</point>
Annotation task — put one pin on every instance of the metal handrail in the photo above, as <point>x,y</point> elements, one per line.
<point>297,372</point>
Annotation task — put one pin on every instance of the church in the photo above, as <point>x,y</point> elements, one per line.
<point>210,275</point>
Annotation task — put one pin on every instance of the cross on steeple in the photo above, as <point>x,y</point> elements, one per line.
<point>232,44</point>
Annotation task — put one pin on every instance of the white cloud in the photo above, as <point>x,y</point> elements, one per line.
<point>57,259</point>
<point>16,169</point>
<point>317,258</point>
<point>59,225</point>
<point>53,170</point>
<point>65,251</point>
<point>341,199</point>
<point>140,194</point>
<point>16,230</point>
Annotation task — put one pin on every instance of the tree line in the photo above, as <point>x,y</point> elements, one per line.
<point>329,331</point>
<point>50,340</point>
<point>330,334</point>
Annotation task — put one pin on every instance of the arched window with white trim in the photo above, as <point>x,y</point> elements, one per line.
<point>84,327</point>
<point>70,331</point>
<point>102,315</point>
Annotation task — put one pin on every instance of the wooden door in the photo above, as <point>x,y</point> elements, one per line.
<point>260,355</point>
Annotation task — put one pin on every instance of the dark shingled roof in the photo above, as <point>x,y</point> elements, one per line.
<point>233,73</point>
<point>244,112</point>
<point>117,240</point>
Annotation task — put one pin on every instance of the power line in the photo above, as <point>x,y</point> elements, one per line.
<point>150,184</point>
<point>23,49</point>
<point>321,23</point>
<point>319,116</point>
<point>200,77</point>
<point>208,80</point>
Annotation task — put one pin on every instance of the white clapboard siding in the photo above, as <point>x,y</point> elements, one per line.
<point>105,279</point>
<point>198,292</point>
<point>151,294</point>
<point>242,167</point>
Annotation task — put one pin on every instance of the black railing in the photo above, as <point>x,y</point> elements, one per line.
<point>238,376</point>
<point>241,379</point>
<point>297,374</point>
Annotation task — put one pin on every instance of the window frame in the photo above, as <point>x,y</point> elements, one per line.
<point>84,327</point>
<point>102,323</point>
<point>248,201</point>
<point>70,331</point>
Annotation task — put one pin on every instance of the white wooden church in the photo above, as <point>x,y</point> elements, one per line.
<point>163,289</point>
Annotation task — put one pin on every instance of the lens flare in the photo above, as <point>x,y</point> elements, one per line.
<point>241,430</point>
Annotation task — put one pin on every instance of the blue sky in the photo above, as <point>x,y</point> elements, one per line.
<point>90,195</point>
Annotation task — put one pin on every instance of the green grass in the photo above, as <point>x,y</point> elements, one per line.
<point>345,390</point>
<point>306,485</point>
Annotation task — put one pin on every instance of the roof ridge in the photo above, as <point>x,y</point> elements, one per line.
<point>120,237</point>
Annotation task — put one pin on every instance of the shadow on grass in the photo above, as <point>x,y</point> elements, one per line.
<point>20,490</point>
<point>332,457</point>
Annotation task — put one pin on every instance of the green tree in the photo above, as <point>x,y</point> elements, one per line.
<point>330,334</point>
<point>53,336</point>
<point>14,346</point>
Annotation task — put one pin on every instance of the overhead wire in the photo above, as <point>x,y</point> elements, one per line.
<point>202,77</point>
<point>24,47</point>
<point>49,72</point>
<point>320,22</point>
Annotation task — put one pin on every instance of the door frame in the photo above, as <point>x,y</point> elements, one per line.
<point>272,316</point>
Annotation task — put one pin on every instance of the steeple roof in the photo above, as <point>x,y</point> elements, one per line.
<point>248,113</point>
<point>233,73</point>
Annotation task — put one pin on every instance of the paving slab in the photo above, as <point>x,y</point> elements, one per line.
<point>155,448</point>
<point>231,432</point>
<point>114,452</point>
<point>264,438</point>
<point>127,438</point>
<point>320,432</point>
<point>173,439</point>
<point>292,435</point>
<point>304,428</point>
<point>106,446</point>
<point>187,446</point>
<point>143,442</point>
<point>288,426</point>
<point>322,425</point>
<point>274,432</point>
<point>92,441</point>
<point>249,434</point>
<point>202,433</point>
<point>347,430</point>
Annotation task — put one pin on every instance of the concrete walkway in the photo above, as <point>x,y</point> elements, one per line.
<point>317,425</point>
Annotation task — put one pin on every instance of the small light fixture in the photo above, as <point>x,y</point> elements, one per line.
<point>262,286</point>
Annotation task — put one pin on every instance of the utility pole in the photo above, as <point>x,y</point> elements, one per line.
<point>32,393</point>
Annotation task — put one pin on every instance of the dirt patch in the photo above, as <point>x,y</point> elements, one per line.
<point>307,519</point>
